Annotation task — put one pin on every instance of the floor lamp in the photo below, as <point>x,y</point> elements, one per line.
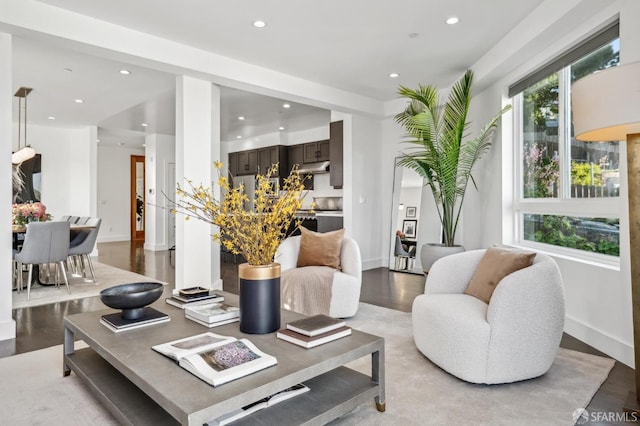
<point>606,107</point>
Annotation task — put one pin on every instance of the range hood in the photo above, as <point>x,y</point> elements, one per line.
<point>319,167</point>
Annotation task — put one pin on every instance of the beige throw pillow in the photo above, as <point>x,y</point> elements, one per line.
<point>320,249</point>
<point>496,264</point>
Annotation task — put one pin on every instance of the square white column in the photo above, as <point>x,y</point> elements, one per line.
<point>197,147</point>
<point>7,324</point>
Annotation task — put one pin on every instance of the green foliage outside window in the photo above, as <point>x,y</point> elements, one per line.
<point>581,174</point>
<point>571,232</point>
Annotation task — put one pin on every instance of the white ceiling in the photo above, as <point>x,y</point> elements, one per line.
<point>350,45</point>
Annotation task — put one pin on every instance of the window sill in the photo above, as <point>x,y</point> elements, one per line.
<point>594,259</point>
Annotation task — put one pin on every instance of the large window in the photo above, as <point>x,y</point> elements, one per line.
<point>568,190</point>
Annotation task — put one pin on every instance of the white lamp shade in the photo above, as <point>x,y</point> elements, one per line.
<point>22,155</point>
<point>606,105</point>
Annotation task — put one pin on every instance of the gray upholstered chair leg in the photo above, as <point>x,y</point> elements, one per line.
<point>29,276</point>
<point>64,274</point>
<point>93,274</point>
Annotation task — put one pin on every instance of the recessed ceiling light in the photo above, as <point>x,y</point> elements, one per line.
<point>241,118</point>
<point>414,35</point>
<point>394,75</point>
<point>238,137</point>
<point>144,124</point>
<point>120,143</point>
<point>286,106</point>
<point>452,20</point>
<point>144,144</point>
<point>68,70</point>
<point>259,24</point>
<point>97,140</point>
<point>51,117</point>
<point>125,72</point>
<point>280,128</point>
<point>79,101</point>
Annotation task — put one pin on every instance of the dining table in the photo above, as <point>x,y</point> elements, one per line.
<point>19,230</point>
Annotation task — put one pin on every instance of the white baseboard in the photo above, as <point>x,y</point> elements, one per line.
<point>8,330</point>
<point>611,346</point>
<point>156,247</point>
<point>374,263</point>
<point>114,238</point>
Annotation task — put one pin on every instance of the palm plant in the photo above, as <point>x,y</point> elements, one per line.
<point>441,156</point>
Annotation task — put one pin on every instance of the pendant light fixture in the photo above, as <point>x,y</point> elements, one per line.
<point>25,153</point>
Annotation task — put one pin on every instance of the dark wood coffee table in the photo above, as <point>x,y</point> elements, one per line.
<point>139,386</point>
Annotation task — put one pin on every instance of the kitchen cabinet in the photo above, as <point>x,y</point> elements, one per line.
<point>233,164</point>
<point>296,155</point>
<point>316,151</point>
<point>336,154</point>
<point>247,162</point>
<point>271,155</point>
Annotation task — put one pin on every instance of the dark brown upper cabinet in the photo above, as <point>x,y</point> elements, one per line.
<point>316,151</point>
<point>247,162</point>
<point>336,158</point>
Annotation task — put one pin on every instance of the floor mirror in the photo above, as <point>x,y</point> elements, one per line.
<point>404,250</point>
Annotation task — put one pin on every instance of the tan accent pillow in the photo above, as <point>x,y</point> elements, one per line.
<point>496,264</point>
<point>320,249</point>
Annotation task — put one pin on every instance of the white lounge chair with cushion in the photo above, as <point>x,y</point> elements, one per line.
<point>300,290</point>
<point>513,337</point>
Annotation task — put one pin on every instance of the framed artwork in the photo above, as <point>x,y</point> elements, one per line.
<point>411,212</point>
<point>409,228</point>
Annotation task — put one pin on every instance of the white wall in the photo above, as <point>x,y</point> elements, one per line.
<point>160,151</point>
<point>362,194</point>
<point>114,180</point>
<point>598,298</point>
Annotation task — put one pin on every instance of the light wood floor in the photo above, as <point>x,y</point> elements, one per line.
<point>41,326</point>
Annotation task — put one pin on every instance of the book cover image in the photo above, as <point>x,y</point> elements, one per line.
<point>230,355</point>
<point>214,309</point>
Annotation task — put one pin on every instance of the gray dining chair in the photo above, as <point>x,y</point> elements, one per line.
<point>403,258</point>
<point>82,220</point>
<point>83,244</point>
<point>44,243</point>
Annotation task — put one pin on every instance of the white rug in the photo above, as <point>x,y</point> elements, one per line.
<point>418,393</point>
<point>106,276</point>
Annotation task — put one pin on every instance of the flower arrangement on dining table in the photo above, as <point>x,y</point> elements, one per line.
<point>22,214</point>
<point>256,234</point>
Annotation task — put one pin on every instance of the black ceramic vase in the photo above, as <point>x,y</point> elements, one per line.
<point>259,296</point>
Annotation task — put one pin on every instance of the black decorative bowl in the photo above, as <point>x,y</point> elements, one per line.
<point>131,298</point>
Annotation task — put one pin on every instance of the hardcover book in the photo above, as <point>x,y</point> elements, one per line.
<point>216,359</point>
<point>116,323</point>
<point>186,299</point>
<point>212,312</point>
<point>259,405</point>
<point>180,304</point>
<point>316,324</point>
<point>212,324</point>
<point>311,342</point>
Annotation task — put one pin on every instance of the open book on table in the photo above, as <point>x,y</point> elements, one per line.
<point>259,405</point>
<point>216,359</point>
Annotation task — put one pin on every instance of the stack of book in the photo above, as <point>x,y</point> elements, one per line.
<point>313,331</point>
<point>212,314</point>
<point>116,323</point>
<point>193,296</point>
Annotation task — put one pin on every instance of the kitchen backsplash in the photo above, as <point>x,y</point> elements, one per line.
<point>321,188</point>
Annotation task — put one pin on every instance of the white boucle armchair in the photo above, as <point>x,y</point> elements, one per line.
<point>346,285</point>
<point>514,337</point>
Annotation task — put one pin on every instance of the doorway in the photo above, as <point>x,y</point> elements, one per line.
<point>137,198</point>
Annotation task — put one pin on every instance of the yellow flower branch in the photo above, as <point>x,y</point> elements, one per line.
<point>256,234</point>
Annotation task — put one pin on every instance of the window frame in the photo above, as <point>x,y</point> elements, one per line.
<point>563,205</point>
